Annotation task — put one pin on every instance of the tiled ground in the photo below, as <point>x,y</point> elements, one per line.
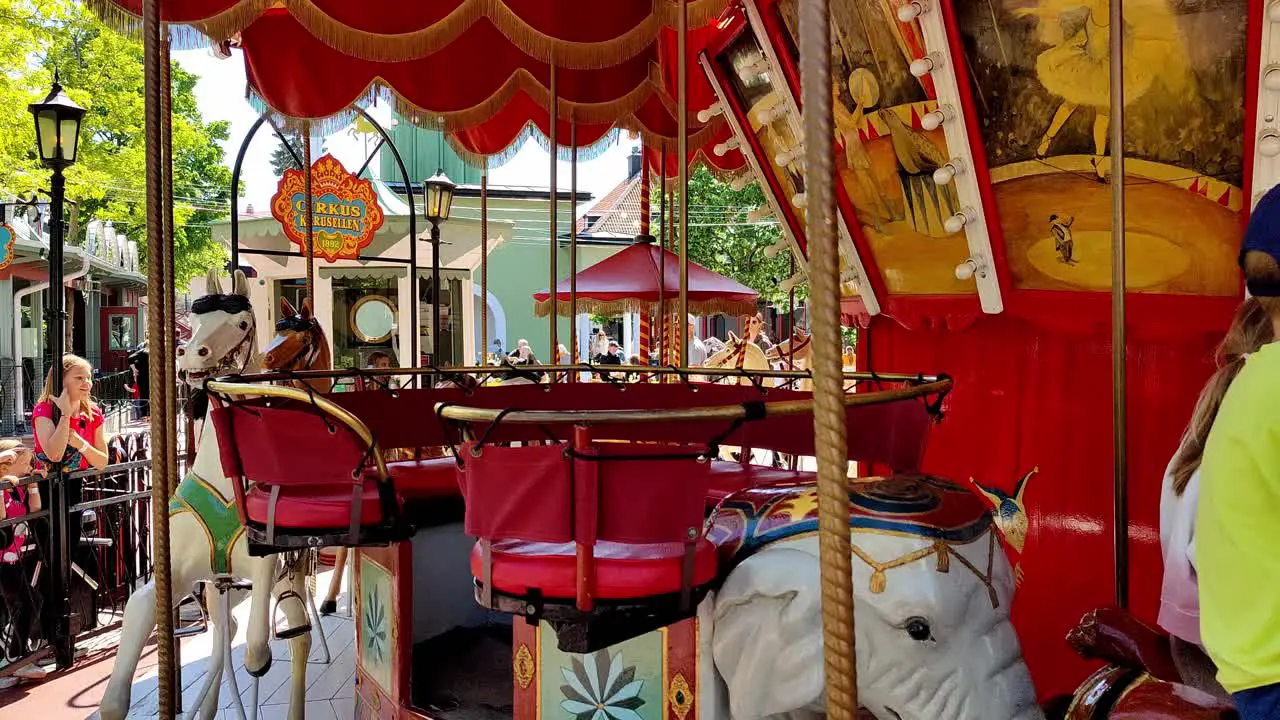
<point>75,694</point>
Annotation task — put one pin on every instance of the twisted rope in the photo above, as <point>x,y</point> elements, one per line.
<point>828,389</point>
<point>170,408</point>
<point>156,336</point>
<point>311,238</point>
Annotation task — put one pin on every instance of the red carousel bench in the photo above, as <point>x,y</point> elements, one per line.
<point>306,473</point>
<point>589,536</point>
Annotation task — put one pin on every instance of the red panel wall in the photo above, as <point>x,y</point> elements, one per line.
<point>1031,396</point>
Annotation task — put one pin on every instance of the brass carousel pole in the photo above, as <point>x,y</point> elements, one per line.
<point>573,248</point>
<point>170,341</point>
<point>682,152</point>
<point>310,213</point>
<point>664,356</point>
<point>484,263</point>
<point>555,207</point>
<point>1118,341</point>
<point>158,314</point>
<point>828,389</point>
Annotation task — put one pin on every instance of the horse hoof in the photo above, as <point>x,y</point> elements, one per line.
<point>260,671</point>
<point>328,607</point>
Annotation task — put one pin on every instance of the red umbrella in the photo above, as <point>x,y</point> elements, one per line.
<point>629,282</point>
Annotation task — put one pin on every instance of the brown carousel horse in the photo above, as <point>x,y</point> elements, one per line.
<point>301,344</point>
<point>1141,679</point>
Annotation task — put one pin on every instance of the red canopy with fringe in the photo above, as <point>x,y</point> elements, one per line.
<point>630,280</point>
<point>479,70</point>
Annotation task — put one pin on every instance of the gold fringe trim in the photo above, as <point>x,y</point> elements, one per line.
<point>717,306</point>
<point>399,47</point>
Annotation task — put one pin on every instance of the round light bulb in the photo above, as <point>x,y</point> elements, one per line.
<point>944,174</point>
<point>1273,12</point>
<point>922,66</point>
<point>955,223</point>
<point>1271,78</point>
<point>910,11</point>
<point>966,269</point>
<point>799,200</point>
<point>933,121</point>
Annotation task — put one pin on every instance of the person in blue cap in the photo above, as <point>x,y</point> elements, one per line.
<point>1237,527</point>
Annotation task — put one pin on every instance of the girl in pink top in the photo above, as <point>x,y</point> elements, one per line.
<point>73,435</point>
<point>1251,328</point>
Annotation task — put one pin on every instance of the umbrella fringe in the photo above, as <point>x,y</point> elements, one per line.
<point>714,306</point>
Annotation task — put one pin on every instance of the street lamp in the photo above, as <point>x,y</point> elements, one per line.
<point>437,193</point>
<point>57,121</point>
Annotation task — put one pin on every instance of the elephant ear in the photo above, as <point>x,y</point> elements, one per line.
<point>767,642</point>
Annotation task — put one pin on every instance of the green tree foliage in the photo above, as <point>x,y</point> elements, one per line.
<point>282,159</point>
<point>722,240</point>
<point>102,71</point>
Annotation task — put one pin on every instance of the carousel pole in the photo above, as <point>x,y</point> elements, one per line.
<point>646,318</point>
<point>554,121</point>
<point>484,262</point>
<point>170,341</point>
<point>664,357</point>
<point>310,213</point>
<point>828,388</point>
<point>573,248</point>
<point>679,341</point>
<point>158,286</point>
<point>1118,342</point>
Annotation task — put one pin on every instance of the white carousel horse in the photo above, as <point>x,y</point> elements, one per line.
<point>740,354</point>
<point>932,594</point>
<point>207,538</point>
<point>794,353</point>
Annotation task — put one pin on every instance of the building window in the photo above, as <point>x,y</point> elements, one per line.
<point>451,330</point>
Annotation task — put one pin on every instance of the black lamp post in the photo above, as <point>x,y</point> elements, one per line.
<point>437,192</point>
<point>57,123</point>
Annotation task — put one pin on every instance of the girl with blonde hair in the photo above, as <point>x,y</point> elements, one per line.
<point>72,436</point>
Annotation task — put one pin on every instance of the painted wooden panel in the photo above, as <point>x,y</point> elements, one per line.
<point>1040,72</point>
<point>885,157</point>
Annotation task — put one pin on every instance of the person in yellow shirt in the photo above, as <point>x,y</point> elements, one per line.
<point>1238,519</point>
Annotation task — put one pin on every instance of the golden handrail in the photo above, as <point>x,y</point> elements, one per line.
<point>582,367</point>
<point>718,412</point>
<point>248,390</point>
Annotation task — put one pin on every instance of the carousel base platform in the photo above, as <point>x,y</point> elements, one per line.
<point>464,674</point>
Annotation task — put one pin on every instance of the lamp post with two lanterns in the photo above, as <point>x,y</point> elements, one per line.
<point>57,125</point>
<point>437,193</point>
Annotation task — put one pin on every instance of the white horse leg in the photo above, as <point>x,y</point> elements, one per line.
<point>139,621</point>
<point>299,647</point>
<point>206,703</point>
<point>257,653</point>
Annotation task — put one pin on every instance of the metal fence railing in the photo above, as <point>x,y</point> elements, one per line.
<point>55,594</point>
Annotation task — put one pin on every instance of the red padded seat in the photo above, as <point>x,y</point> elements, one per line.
<point>727,478</point>
<point>622,571</point>
<point>313,506</point>
<point>422,479</point>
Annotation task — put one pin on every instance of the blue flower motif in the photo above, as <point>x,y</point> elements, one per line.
<point>601,689</point>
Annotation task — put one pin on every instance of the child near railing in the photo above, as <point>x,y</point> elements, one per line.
<point>17,464</point>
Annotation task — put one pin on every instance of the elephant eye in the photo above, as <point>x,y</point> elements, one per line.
<point>918,628</point>
<point>244,325</point>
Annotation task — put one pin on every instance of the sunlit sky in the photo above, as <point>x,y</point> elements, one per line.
<point>220,94</point>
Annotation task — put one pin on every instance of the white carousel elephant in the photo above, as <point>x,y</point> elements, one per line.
<point>934,637</point>
<point>222,341</point>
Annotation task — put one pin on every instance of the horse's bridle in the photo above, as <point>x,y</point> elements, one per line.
<point>310,348</point>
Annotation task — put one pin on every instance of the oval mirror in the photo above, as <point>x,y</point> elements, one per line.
<point>373,318</point>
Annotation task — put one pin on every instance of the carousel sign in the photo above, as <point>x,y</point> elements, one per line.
<point>7,237</point>
<point>345,211</point>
